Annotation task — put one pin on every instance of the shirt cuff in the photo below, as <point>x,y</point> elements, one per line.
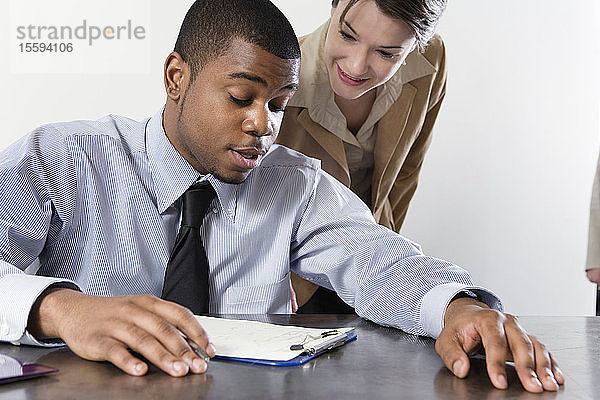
<point>18,293</point>
<point>436,301</point>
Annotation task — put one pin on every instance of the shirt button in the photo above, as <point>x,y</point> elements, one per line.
<point>215,210</point>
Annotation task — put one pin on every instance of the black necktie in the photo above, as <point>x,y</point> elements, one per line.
<point>186,277</point>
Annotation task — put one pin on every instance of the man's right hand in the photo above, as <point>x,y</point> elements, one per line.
<point>107,328</point>
<point>594,275</point>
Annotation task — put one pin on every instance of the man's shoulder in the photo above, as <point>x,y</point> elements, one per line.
<point>110,126</point>
<point>285,158</point>
<point>112,130</point>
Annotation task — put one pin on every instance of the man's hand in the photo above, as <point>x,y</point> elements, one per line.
<point>107,328</point>
<point>293,299</point>
<point>470,325</point>
<point>593,275</point>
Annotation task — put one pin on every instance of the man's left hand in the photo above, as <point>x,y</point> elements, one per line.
<point>471,325</point>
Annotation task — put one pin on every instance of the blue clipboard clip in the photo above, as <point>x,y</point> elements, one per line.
<point>317,345</point>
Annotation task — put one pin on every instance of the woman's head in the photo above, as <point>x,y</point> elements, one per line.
<point>368,40</point>
<point>421,16</point>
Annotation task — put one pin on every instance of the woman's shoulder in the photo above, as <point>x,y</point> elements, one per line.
<point>435,52</point>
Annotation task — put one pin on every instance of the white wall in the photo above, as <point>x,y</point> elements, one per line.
<point>505,187</point>
<point>34,99</point>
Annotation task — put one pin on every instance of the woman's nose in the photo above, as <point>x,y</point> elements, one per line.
<point>358,65</point>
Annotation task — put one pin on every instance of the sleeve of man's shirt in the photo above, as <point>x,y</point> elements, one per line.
<point>385,277</point>
<point>36,188</point>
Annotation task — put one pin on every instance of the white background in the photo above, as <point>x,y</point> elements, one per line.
<point>87,55</point>
<point>505,187</point>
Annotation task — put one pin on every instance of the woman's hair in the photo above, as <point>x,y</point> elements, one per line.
<point>421,16</point>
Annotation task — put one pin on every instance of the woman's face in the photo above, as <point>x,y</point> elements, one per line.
<point>366,50</point>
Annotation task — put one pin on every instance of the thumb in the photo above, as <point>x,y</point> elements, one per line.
<point>450,350</point>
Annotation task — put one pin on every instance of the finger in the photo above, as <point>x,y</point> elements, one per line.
<point>593,275</point>
<point>493,339</point>
<point>524,356</point>
<point>118,354</point>
<point>558,374</point>
<point>543,366</point>
<point>169,346</point>
<point>293,299</point>
<point>148,346</point>
<point>449,348</point>
<point>182,319</point>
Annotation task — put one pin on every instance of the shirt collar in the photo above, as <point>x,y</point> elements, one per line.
<point>315,93</point>
<point>172,175</point>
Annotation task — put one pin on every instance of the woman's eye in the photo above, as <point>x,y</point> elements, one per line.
<point>275,108</point>
<point>240,102</point>
<point>387,55</point>
<point>346,36</point>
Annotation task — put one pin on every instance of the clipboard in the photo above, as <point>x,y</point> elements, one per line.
<point>270,344</point>
<point>307,355</point>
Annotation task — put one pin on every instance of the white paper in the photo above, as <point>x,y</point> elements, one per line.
<point>259,340</point>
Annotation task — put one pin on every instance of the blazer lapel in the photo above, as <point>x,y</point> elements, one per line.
<point>389,130</point>
<point>330,142</point>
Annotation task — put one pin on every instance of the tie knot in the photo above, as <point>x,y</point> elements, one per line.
<point>195,203</point>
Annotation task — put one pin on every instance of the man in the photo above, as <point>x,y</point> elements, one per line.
<point>99,204</point>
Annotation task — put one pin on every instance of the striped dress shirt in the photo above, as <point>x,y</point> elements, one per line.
<point>94,205</point>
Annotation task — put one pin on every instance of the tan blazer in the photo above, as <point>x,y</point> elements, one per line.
<point>593,253</point>
<point>403,137</point>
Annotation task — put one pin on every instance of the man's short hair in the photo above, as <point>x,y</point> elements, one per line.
<point>210,26</point>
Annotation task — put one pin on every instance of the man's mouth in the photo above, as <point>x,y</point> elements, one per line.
<point>247,158</point>
<point>250,153</point>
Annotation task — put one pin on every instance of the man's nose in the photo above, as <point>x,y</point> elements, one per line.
<point>258,122</point>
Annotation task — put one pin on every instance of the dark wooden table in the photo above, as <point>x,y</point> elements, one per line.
<point>383,363</point>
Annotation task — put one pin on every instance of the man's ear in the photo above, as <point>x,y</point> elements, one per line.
<point>175,74</point>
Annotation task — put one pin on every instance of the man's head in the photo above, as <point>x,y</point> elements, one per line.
<point>209,26</point>
<point>234,68</point>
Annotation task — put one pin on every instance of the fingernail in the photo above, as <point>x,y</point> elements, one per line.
<point>199,365</point>
<point>179,367</point>
<point>501,380</point>
<point>549,378</point>
<point>559,371</point>
<point>536,381</point>
<point>139,367</point>
<point>457,367</point>
<point>210,349</point>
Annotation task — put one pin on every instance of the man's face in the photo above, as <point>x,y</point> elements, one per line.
<point>229,116</point>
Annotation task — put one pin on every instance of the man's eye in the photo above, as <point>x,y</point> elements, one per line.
<point>240,102</point>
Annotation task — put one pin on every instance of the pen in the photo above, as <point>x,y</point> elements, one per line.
<point>196,348</point>
<point>301,346</point>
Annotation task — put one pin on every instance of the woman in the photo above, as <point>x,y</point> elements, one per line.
<point>372,81</point>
